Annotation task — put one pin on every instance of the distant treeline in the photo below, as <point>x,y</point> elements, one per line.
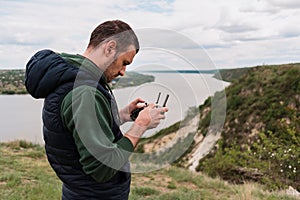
<point>13,81</point>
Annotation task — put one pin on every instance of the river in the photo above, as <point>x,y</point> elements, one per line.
<point>20,116</point>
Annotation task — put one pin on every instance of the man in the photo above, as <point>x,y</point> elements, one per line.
<point>83,141</point>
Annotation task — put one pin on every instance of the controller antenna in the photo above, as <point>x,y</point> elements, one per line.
<point>158,98</point>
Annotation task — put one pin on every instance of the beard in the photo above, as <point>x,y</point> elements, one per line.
<point>110,62</point>
<point>107,66</point>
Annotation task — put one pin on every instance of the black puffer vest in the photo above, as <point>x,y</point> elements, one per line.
<point>49,76</point>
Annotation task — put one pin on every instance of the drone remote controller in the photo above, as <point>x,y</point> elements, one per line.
<point>135,113</point>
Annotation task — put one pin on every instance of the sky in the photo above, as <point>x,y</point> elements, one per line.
<point>204,34</point>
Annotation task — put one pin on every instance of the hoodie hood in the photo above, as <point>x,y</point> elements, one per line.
<point>45,71</point>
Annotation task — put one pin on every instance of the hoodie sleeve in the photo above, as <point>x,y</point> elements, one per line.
<point>86,114</point>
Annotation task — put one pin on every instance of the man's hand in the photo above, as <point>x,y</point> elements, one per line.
<point>126,112</point>
<point>148,118</point>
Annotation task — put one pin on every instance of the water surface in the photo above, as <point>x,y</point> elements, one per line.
<point>20,116</point>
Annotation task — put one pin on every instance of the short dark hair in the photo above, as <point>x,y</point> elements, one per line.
<point>114,30</point>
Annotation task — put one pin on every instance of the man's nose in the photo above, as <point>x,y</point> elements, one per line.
<point>122,71</point>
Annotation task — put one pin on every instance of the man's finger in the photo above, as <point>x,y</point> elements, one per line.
<point>152,105</point>
<point>138,100</point>
<point>163,109</point>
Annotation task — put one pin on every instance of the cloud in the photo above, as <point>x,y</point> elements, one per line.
<point>290,32</point>
<point>260,7</point>
<point>157,6</point>
<point>236,28</point>
<point>287,4</point>
<point>222,28</point>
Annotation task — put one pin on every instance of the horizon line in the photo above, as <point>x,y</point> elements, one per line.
<point>213,71</point>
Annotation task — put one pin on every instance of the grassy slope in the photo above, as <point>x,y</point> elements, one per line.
<point>262,127</point>
<point>26,174</point>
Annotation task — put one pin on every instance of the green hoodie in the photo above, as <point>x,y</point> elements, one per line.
<point>91,127</point>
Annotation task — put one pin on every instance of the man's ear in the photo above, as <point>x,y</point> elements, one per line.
<point>110,47</point>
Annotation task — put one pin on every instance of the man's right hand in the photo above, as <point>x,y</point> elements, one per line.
<point>150,116</point>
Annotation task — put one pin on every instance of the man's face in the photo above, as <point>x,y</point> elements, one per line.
<point>118,65</point>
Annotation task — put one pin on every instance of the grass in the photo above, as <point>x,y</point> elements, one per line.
<point>26,174</point>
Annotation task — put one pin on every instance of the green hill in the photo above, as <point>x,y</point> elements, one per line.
<point>260,139</point>
<point>261,136</point>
